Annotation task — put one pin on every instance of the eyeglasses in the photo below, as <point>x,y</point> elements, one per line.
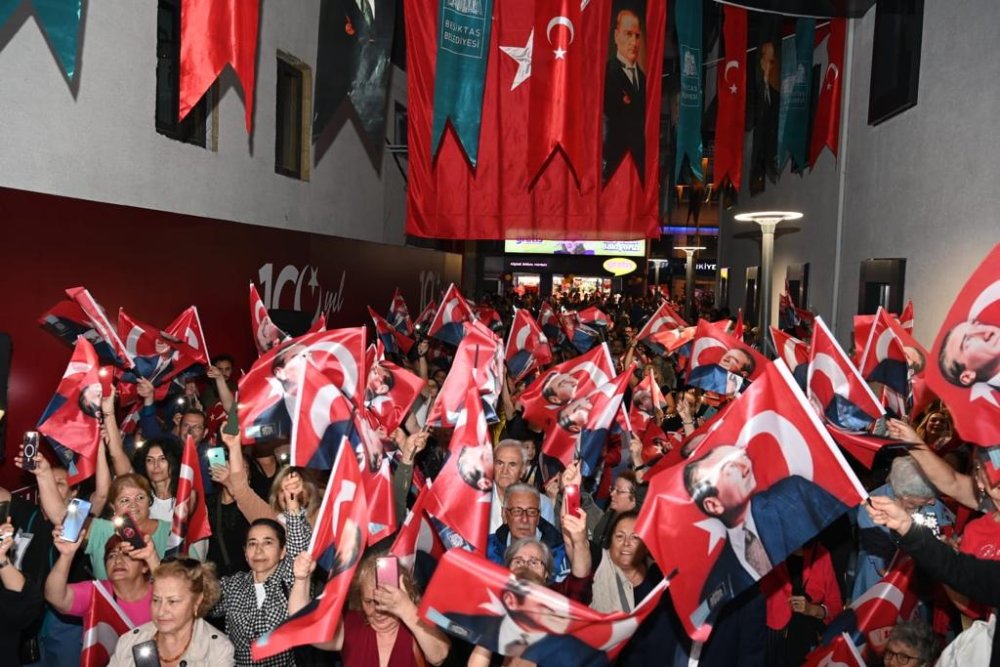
<point>124,501</point>
<point>627,492</point>
<point>533,563</point>
<point>899,658</point>
<point>518,512</point>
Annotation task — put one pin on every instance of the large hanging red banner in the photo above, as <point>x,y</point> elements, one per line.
<point>510,193</point>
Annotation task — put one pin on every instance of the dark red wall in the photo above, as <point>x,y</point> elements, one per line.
<point>155,264</point>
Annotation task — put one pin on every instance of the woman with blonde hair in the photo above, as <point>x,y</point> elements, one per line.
<point>184,590</point>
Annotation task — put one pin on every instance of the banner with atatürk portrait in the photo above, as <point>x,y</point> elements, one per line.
<point>352,61</point>
<point>766,100</point>
<point>624,120</point>
<point>460,73</point>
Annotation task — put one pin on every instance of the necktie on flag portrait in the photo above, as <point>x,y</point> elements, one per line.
<point>216,33</point>
<point>537,171</point>
<point>842,398</point>
<point>339,536</point>
<point>352,63</point>
<point>527,347</point>
<point>964,363</point>
<point>730,118</point>
<point>103,624</point>
<point>515,617</point>
<point>762,482</point>
<point>72,420</point>
<point>190,530</point>
<point>59,22</point>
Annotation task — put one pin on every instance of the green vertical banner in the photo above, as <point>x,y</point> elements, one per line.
<point>796,85</point>
<point>687,14</point>
<point>60,23</point>
<point>460,74</point>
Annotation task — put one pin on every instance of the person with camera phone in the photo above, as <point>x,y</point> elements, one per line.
<point>20,600</point>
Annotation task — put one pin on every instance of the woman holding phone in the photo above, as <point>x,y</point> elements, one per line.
<point>131,497</point>
<point>183,592</point>
<point>128,578</point>
<point>381,625</point>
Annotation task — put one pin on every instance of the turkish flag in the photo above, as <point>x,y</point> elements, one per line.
<point>160,355</point>
<point>399,314</point>
<point>534,100</point>
<point>216,33</point>
<point>324,421</point>
<point>190,529</point>
<point>582,426</point>
<point>72,419</point>
<point>98,320</point>
<point>789,349</point>
<point>869,619</point>
<point>564,382</point>
<point>964,368</point>
<point>646,400</point>
<point>841,652</point>
<point>826,123</point>
<point>732,96</point>
<point>777,466</point>
<point>378,494</point>
<point>265,334</point>
<point>842,398</point>
<point>393,340</point>
<point>390,392</point>
<point>906,317</point>
<point>447,322</point>
<point>558,631</point>
<point>462,493</point>
<point>884,359</point>
<point>717,359</point>
<point>664,319</point>
<point>418,545</point>
<point>549,321</point>
<point>527,347</point>
<point>339,537</point>
<point>426,316</point>
<point>103,624</point>
<point>478,364</point>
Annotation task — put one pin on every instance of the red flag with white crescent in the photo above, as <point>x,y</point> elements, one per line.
<point>418,545</point>
<point>527,346</point>
<point>841,652</point>
<point>97,319</point>
<point>732,96</point>
<point>665,319</point>
<point>339,536</point>
<point>562,383</point>
<point>266,335</point>
<point>718,359</point>
<point>462,493</point>
<point>479,364</point>
<point>190,528</point>
<point>558,631</point>
<point>447,322</point>
<point>789,349</point>
<point>72,420</point>
<point>390,337</point>
<point>548,320</point>
<point>399,315</point>
<point>426,315</point>
<point>769,453</point>
<point>647,398</point>
<point>324,419</point>
<point>826,124</point>
<point>965,360</point>
<point>103,624</point>
<point>390,392</point>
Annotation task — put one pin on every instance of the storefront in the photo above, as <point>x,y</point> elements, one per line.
<point>565,267</point>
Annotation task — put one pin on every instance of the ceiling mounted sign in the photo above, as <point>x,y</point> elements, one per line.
<point>619,266</point>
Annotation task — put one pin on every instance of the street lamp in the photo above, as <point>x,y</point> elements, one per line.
<point>767,220</point>
<point>689,250</point>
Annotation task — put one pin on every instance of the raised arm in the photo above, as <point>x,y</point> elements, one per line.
<point>102,481</point>
<point>944,478</point>
<point>221,388</point>
<point>57,592</point>
<point>251,505</point>
<point>396,601</point>
<point>119,459</point>
<point>48,493</point>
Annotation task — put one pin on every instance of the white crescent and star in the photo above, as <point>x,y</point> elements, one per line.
<point>733,87</point>
<point>836,75</point>
<point>522,54</point>
<point>560,53</point>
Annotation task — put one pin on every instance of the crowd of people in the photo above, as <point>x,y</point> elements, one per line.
<point>257,570</point>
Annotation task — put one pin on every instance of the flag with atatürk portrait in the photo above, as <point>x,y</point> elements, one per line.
<point>762,481</point>
<point>963,367</point>
<point>494,603</point>
<point>537,170</point>
<point>527,347</point>
<point>562,383</point>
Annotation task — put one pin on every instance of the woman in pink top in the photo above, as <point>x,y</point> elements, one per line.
<point>128,578</point>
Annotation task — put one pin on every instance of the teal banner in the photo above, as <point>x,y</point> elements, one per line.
<point>687,14</point>
<point>796,86</point>
<point>460,75</point>
<point>60,23</point>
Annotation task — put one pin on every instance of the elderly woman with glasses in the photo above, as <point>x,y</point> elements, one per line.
<point>127,578</point>
<point>130,495</point>
<point>183,592</point>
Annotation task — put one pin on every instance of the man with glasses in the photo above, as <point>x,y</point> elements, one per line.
<point>508,468</point>
<point>762,527</point>
<point>522,518</point>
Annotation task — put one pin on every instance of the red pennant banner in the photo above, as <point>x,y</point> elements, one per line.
<point>732,96</point>
<point>826,124</point>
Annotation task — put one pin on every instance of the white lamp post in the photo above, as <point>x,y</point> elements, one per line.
<point>657,261</point>
<point>689,250</point>
<point>767,220</point>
